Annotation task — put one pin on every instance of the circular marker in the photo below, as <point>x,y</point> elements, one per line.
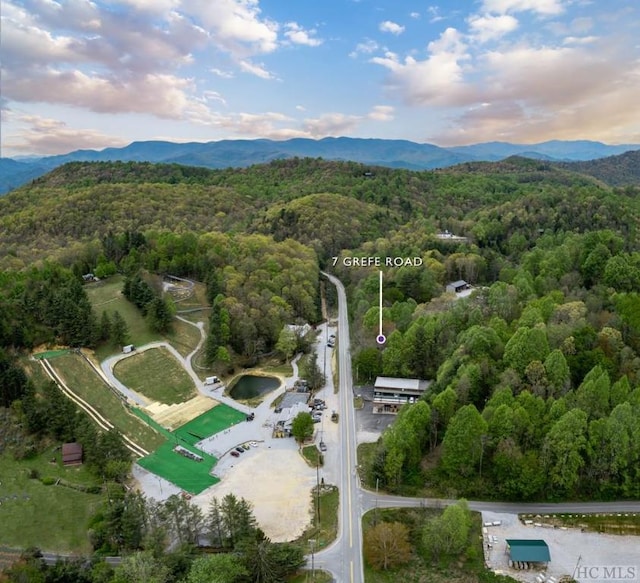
<point>381,339</point>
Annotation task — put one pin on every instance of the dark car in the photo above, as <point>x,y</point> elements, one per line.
<point>323,446</point>
<point>234,453</point>
<point>239,449</point>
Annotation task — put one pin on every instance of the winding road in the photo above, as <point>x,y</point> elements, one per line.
<point>343,559</point>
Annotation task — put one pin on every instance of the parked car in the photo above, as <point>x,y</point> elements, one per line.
<point>245,446</point>
<point>234,453</point>
<point>323,446</point>
<point>317,419</point>
<point>239,449</point>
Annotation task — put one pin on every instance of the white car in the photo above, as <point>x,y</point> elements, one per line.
<point>253,443</point>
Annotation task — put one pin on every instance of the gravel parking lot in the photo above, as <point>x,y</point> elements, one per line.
<point>579,554</point>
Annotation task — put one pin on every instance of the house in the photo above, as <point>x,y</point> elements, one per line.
<point>389,393</point>
<point>71,454</point>
<point>448,236</point>
<point>457,286</point>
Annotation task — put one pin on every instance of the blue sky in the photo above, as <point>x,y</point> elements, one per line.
<point>92,74</point>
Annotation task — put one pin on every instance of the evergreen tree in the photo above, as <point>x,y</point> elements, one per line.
<point>119,330</point>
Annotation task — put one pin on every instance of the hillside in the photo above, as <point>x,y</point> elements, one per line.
<point>618,170</point>
<point>243,153</point>
<point>328,205</point>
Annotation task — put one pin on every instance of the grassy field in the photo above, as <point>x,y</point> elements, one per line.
<point>156,374</point>
<point>183,337</point>
<point>53,517</point>
<point>83,380</point>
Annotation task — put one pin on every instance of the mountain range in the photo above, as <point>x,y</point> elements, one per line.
<point>377,152</point>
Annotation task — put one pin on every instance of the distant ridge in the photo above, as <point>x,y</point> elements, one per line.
<point>242,153</point>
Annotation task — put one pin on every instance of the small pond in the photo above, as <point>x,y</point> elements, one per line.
<point>249,386</point>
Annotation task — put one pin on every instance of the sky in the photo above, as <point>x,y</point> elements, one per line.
<point>93,74</point>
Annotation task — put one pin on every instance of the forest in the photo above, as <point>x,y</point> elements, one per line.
<point>535,377</point>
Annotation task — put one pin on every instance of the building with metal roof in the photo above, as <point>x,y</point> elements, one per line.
<point>528,550</point>
<point>390,393</point>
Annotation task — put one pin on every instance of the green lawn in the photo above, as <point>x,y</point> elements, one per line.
<point>156,374</point>
<point>83,380</point>
<point>54,518</point>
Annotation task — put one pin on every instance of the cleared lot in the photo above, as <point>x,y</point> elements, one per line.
<point>569,549</point>
<point>278,484</point>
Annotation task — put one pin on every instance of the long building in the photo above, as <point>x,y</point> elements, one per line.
<point>389,393</point>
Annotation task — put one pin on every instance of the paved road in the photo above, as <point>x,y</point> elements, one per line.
<point>344,558</point>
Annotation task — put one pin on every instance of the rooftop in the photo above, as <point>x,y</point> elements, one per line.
<point>401,384</point>
<point>529,550</point>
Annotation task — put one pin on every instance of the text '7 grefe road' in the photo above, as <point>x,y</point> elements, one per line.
<point>343,559</point>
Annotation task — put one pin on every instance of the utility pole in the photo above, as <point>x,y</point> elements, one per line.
<point>312,544</point>
<point>318,491</point>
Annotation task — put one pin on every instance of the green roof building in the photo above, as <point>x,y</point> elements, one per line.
<point>530,551</point>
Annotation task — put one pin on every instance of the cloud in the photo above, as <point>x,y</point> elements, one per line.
<point>434,14</point>
<point>367,47</point>
<point>381,113</point>
<point>392,27</point>
<point>298,35</point>
<point>543,7</point>
<point>255,69</point>
<point>48,137</point>
<point>531,94</point>
<point>330,124</point>
<point>221,73</point>
<point>415,15</point>
<point>488,27</point>
<point>165,96</point>
<point>437,80</point>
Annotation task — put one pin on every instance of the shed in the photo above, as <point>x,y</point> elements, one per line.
<point>457,286</point>
<point>528,550</point>
<point>71,454</point>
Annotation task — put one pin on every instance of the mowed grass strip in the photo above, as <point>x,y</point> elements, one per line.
<point>85,382</point>
<point>53,517</point>
<point>156,374</point>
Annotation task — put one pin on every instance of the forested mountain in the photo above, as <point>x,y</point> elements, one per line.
<point>242,153</point>
<point>329,205</point>
<point>536,376</point>
<point>613,170</point>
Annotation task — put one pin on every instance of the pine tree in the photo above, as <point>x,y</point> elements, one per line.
<point>119,330</point>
